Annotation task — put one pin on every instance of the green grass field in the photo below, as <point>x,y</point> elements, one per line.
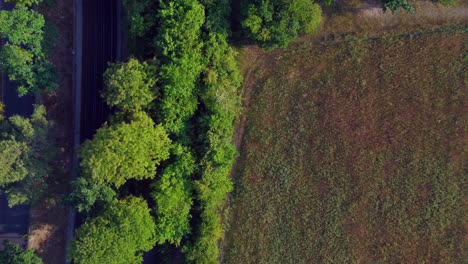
<point>354,152</point>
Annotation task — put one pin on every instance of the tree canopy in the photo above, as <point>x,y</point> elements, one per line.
<point>22,57</point>
<point>172,194</point>
<point>26,152</point>
<point>13,254</point>
<point>125,150</point>
<point>119,235</point>
<point>130,86</point>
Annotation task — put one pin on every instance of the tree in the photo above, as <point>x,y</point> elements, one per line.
<point>2,111</point>
<point>13,254</point>
<point>393,5</point>
<point>172,194</point>
<point>23,27</point>
<point>140,13</point>
<point>22,56</point>
<point>125,150</point>
<point>130,86</point>
<point>87,195</point>
<point>26,152</point>
<point>273,23</point>
<point>24,2</point>
<point>120,235</point>
<point>179,49</point>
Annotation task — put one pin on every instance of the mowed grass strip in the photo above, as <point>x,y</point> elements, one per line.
<point>355,153</point>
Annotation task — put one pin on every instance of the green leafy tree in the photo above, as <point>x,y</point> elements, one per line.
<point>130,86</point>
<point>273,23</point>
<point>13,254</point>
<point>394,5</point>
<point>24,27</point>
<point>125,150</point>
<point>87,195</point>
<point>120,235</point>
<point>173,197</point>
<point>141,16</point>
<point>2,111</point>
<point>22,57</point>
<point>26,152</point>
<point>179,48</point>
<point>17,62</point>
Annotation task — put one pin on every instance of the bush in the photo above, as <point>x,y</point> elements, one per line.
<point>447,2</point>
<point>119,235</point>
<point>125,151</point>
<point>394,5</point>
<point>274,23</point>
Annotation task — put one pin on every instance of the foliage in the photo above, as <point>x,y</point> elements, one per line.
<point>141,16</point>
<point>26,152</point>
<point>22,27</point>
<point>120,235</point>
<point>22,57</point>
<point>13,254</point>
<point>2,111</point>
<point>172,194</point>
<point>125,150</point>
<point>178,45</point>
<point>130,86</point>
<point>221,101</point>
<point>328,2</point>
<point>87,195</point>
<point>24,2</point>
<point>274,23</point>
<point>393,5</point>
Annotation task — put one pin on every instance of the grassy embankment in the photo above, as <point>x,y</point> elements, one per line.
<point>354,152</point>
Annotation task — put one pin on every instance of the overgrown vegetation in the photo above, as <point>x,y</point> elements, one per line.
<point>355,156</point>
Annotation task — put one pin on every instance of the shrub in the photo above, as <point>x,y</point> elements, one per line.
<point>274,23</point>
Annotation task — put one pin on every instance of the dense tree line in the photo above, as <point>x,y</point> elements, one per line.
<point>176,107</point>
